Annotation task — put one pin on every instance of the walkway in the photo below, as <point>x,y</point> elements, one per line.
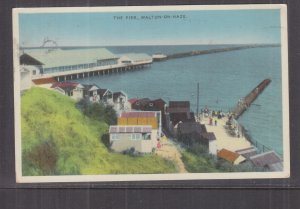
<point>170,152</point>
<point>224,139</point>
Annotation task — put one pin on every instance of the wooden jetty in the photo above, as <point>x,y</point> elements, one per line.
<point>244,103</point>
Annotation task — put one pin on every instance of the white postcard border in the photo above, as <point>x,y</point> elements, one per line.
<point>152,177</point>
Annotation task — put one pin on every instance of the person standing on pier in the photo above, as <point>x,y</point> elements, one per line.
<point>216,122</point>
<point>210,121</point>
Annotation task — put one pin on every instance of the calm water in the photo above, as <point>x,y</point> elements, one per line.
<point>224,78</point>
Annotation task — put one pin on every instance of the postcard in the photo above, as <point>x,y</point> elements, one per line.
<point>151,93</point>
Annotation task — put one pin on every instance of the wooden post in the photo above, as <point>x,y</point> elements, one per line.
<point>197,100</point>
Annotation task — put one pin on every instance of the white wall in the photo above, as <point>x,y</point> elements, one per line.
<point>77,94</point>
<point>26,81</point>
<point>212,147</point>
<point>142,146</point>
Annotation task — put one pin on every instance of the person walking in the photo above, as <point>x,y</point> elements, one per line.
<point>216,122</point>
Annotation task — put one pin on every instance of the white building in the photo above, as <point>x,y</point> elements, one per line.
<point>141,139</point>
<point>135,58</point>
<point>53,61</point>
<point>91,92</point>
<point>71,89</point>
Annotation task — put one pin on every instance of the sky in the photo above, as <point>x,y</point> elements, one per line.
<point>151,28</point>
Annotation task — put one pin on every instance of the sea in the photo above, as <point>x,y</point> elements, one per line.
<point>224,78</point>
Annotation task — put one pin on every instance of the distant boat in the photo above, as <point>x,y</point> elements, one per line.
<point>159,57</point>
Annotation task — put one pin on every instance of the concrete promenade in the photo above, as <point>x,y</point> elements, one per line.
<point>224,138</point>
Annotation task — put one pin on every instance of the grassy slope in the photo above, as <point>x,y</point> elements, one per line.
<point>198,164</point>
<point>56,133</point>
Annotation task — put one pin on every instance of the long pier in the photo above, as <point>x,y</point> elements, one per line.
<point>94,71</point>
<point>244,103</point>
<point>214,51</point>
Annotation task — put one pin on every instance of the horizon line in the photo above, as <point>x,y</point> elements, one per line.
<point>77,46</point>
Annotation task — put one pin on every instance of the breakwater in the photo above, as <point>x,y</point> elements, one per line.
<point>214,51</point>
<point>244,103</point>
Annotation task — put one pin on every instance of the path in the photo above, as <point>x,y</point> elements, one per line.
<point>170,152</point>
<point>224,139</point>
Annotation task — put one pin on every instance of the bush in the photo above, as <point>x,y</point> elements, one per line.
<point>130,152</point>
<point>44,156</point>
<point>98,111</point>
<point>105,140</point>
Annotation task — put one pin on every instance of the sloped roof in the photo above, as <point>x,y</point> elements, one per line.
<point>138,114</point>
<point>189,127</point>
<point>247,152</point>
<point>210,136</point>
<point>118,94</point>
<point>143,101</point>
<point>159,100</point>
<point>228,155</point>
<point>178,109</point>
<point>136,56</point>
<point>25,59</point>
<point>67,85</point>
<point>133,100</point>
<point>179,104</point>
<point>101,92</point>
<point>43,81</point>
<point>89,87</point>
<point>265,159</point>
<point>130,129</point>
<point>59,57</point>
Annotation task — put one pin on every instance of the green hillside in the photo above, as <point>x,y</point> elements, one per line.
<point>58,139</point>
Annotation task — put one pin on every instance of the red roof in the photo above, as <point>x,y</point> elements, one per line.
<point>64,84</point>
<point>228,155</point>
<point>43,81</point>
<point>133,100</point>
<point>138,114</point>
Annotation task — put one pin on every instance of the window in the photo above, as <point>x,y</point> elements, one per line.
<point>136,136</point>
<point>70,93</point>
<point>115,137</point>
<point>146,136</point>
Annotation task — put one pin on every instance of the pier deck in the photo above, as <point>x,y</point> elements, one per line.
<point>94,71</point>
<point>224,138</point>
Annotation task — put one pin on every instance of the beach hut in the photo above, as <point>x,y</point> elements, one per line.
<point>231,157</point>
<point>247,152</point>
<point>106,96</point>
<point>136,138</point>
<point>91,92</point>
<point>120,101</point>
<point>71,89</point>
<point>152,118</point>
<point>269,160</point>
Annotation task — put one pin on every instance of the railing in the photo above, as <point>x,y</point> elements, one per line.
<point>259,146</point>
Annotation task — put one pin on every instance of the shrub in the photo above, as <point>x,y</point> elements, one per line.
<point>98,111</point>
